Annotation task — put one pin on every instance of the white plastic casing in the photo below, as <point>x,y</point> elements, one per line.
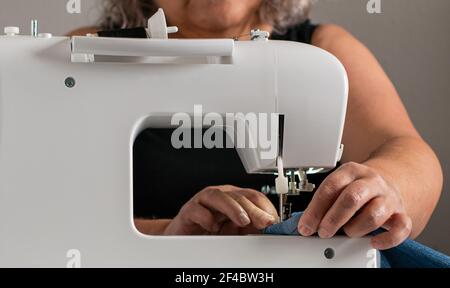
<point>66,154</point>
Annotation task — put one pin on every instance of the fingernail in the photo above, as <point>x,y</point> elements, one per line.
<point>323,233</point>
<point>305,231</point>
<point>376,245</point>
<point>245,220</point>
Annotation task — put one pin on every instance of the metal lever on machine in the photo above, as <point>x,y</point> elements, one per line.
<point>281,182</point>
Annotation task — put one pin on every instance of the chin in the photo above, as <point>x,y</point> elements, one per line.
<point>220,15</point>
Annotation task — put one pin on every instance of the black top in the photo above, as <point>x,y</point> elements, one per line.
<point>166,178</point>
<point>301,33</point>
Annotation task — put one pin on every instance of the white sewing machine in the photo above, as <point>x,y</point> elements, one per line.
<point>70,110</point>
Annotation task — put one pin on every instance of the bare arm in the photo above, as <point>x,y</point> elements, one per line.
<point>379,135</point>
<point>151,227</point>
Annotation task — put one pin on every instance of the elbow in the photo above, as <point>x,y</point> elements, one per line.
<point>433,188</point>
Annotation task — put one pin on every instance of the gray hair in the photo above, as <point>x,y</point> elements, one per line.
<point>281,14</point>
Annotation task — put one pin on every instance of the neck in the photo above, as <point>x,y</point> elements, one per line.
<point>240,31</point>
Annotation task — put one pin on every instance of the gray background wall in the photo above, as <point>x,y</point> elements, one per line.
<point>410,38</point>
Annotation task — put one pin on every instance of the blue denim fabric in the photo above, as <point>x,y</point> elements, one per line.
<point>410,254</point>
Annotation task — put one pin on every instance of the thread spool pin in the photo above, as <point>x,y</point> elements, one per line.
<point>34,28</point>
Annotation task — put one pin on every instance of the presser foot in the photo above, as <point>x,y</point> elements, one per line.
<point>294,189</point>
<point>285,209</point>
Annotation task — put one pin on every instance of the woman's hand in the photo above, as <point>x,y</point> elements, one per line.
<point>358,199</point>
<point>224,210</point>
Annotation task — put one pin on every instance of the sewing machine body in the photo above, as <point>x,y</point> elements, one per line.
<point>66,153</point>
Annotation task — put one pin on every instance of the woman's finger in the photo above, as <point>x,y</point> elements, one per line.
<point>399,228</point>
<point>259,218</point>
<point>348,203</point>
<point>259,199</point>
<point>215,199</point>
<point>325,196</point>
<point>203,217</point>
<point>372,216</point>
